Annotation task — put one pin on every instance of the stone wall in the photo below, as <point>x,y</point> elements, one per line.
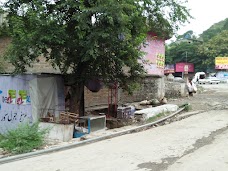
<point>151,87</point>
<point>99,98</point>
<point>175,89</point>
<point>40,65</point>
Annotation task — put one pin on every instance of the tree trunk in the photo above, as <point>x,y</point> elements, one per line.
<point>77,99</point>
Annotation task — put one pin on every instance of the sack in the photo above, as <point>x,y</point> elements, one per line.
<point>194,88</point>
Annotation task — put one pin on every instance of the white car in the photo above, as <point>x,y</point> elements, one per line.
<point>209,80</point>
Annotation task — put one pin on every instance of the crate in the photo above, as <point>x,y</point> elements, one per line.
<point>124,112</point>
<point>88,124</point>
<point>67,117</point>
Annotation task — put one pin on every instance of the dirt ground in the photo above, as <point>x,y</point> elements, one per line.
<point>208,97</point>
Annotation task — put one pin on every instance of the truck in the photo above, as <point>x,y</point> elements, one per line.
<point>199,77</point>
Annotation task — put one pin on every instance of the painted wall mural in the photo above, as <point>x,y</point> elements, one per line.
<point>15,104</point>
<point>154,60</point>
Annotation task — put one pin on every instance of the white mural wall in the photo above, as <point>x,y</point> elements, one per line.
<point>15,103</point>
<point>21,94</point>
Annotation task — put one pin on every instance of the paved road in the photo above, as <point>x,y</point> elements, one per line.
<point>196,143</point>
<point>211,157</point>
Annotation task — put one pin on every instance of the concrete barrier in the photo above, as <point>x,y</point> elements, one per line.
<point>60,132</point>
<point>151,112</point>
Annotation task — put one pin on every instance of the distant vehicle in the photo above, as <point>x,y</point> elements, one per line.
<point>210,80</point>
<point>198,76</point>
<point>202,81</point>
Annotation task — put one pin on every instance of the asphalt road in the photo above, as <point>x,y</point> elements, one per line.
<point>196,143</point>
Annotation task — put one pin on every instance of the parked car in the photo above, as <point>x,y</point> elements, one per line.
<point>202,81</point>
<point>209,80</point>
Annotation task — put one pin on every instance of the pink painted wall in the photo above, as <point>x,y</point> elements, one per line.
<point>155,55</point>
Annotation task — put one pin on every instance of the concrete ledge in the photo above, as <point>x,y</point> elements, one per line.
<point>61,132</point>
<point>150,112</point>
<point>78,144</point>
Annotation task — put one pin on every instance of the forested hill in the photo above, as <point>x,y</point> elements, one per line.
<point>200,51</point>
<point>214,30</point>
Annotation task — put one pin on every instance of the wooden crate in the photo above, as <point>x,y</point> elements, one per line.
<point>68,117</point>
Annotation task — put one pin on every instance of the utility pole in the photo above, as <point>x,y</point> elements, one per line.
<point>186,67</point>
<point>186,56</point>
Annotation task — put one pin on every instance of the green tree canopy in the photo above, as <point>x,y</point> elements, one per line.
<point>89,38</point>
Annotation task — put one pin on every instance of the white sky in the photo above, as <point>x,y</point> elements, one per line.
<point>205,13</point>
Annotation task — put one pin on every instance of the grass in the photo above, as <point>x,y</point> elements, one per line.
<point>187,107</point>
<point>23,139</point>
<point>154,118</point>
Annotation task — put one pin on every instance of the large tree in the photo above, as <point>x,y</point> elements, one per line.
<point>89,38</point>
<point>3,44</point>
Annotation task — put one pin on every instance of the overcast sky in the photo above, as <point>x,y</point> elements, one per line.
<point>206,13</point>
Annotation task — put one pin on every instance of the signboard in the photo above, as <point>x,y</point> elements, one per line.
<point>184,67</point>
<point>169,68</point>
<point>221,63</point>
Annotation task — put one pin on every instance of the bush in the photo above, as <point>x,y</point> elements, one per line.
<point>23,139</point>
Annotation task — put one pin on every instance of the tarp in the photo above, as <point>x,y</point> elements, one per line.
<point>45,97</point>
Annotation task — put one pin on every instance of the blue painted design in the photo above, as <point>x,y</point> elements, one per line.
<point>28,100</point>
<point>0,91</point>
<point>0,107</point>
